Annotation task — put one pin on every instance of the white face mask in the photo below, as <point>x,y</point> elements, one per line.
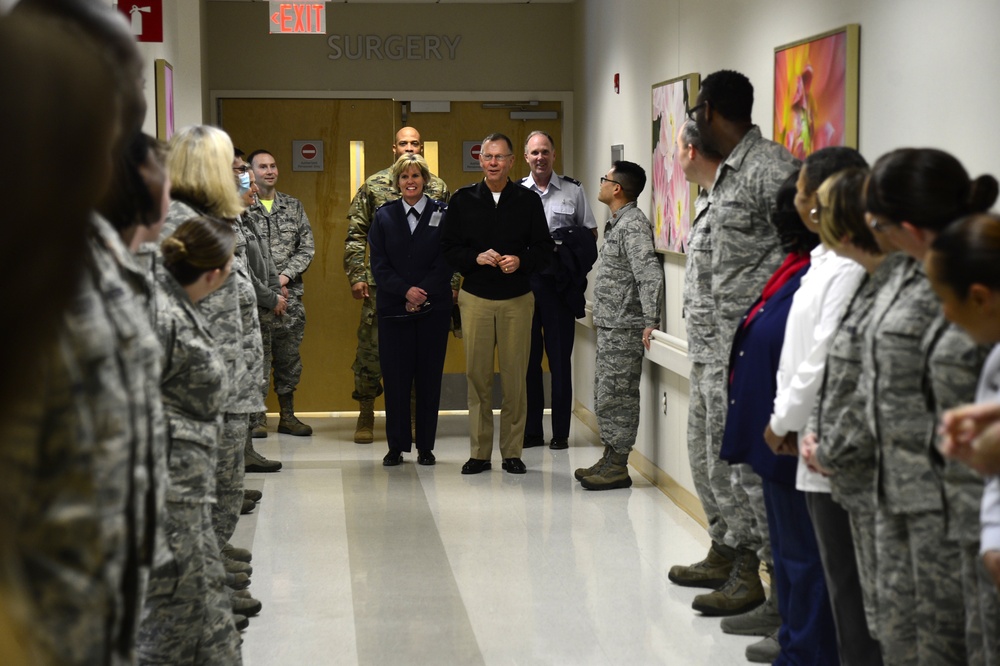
<point>244,182</point>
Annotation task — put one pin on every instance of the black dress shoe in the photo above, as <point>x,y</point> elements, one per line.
<point>425,457</point>
<point>531,441</point>
<point>392,458</point>
<point>474,466</point>
<point>559,443</point>
<point>514,466</point>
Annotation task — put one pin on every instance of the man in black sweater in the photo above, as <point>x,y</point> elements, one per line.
<point>496,235</point>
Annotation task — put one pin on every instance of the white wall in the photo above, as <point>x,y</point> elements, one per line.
<point>928,78</point>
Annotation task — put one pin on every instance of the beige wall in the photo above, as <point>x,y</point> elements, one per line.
<point>503,47</point>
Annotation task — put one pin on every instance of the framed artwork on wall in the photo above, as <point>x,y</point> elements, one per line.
<point>816,91</point>
<point>672,194</point>
<point>164,100</point>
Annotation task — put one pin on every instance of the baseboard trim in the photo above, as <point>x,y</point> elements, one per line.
<point>666,484</point>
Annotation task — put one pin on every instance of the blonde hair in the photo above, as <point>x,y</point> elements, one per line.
<point>407,161</point>
<point>842,213</point>
<point>200,161</point>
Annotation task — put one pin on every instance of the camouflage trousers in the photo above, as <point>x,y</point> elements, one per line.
<point>731,496</point>
<point>618,368</point>
<point>281,348</point>
<point>367,372</point>
<point>187,617</point>
<point>920,606</point>
<point>982,610</point>
<point>863,533</point>
<point>748,524</point>
<point>229,471</point>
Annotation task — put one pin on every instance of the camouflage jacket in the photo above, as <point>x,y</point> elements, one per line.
<point>745,248</point>
<point>262,271</point>
<point>80,454</point>
<point>954,362</point>
<point>846,444</point>
<point>628,289</point>
<point>287,234</point>
<point>249,397</point>
<point>193,381</point>
<point>894,367</point>
<point>699,309</point>
<point>376,191</point>
<point>222,310</point>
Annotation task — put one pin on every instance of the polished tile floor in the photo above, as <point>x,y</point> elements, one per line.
<point>360,564</point>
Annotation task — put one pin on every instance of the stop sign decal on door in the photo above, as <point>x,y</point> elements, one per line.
<point>307,155</point>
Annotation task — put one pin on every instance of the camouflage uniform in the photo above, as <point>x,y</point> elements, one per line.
<point>707,379</point>
<point>735,257</point>
<point>187,617</point>
<point>628,292</point>
<point>80,452</point>
<point>919,583</point>
<point>846,445</point>
<point>224,313</point>
<point>376,191</point>
<point>267,287</point>
<point>236,423</point>
<point>285,231</point>
<point>954,364</point>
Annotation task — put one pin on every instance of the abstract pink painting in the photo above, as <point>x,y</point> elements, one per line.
<point>816,92</point>
<point>672,193</point>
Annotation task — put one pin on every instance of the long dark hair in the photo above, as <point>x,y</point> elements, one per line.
<point>794,236</point>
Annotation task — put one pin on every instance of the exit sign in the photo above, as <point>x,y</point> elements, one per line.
<point>298,18</point>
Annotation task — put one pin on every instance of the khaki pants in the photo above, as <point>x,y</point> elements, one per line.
<point>505,326</point>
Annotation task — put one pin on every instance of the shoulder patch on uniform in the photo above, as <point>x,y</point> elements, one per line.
<point>570,180</point>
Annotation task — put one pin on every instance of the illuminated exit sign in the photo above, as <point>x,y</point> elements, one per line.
<point>298,18</point>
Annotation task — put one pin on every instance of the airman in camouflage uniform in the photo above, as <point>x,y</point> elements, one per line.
<point>285,230</point>
<point>80,450</point>
<point>846,446</point>
<point>379,189</point>
<point>187,618</point>
<point>628,292</point>
<point>953,367</point>
<point>919,581</point>
<point>744,252</point>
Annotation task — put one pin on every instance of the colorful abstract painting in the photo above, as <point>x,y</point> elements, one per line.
<point>672,193</point>
<point>816,92</point>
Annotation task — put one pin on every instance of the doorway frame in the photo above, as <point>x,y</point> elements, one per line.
<point>563,96</point>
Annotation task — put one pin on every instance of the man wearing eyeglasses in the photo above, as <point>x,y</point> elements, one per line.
<point>379,189</point>
<point>559,291</point>
<point>744,253</point>
<point>496,236</point>
<point>628,291</point>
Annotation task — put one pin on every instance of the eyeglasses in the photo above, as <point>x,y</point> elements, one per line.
<point>498,158</point>
<point>608,180</point>
<point>876,225</point>
<point>241,169</point>
<point>694,109</point>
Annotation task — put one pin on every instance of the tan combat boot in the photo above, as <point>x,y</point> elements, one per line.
<point>289,423</point>
<point>258,426</point>
<point>584,472</point>
<point>712,572</point>
<point>364,433</point>
<point>742,592</point>
<point>614,474</point>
